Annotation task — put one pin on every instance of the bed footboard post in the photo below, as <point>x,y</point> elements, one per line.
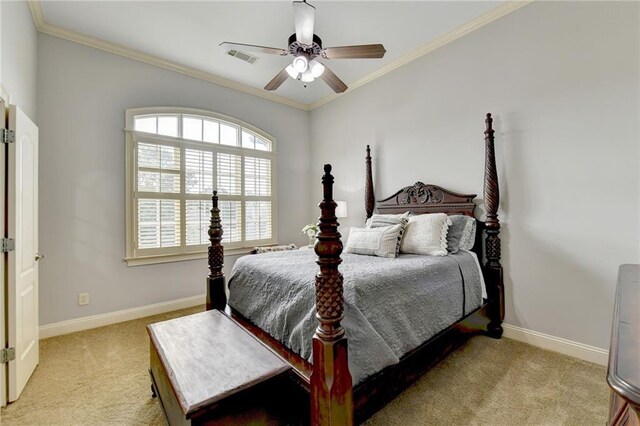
<point>369,196</point>
<point>331,385</point>
<point>216,295</point>
<point>493,268</point>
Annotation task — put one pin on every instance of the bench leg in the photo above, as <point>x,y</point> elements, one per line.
<point>153,387</point>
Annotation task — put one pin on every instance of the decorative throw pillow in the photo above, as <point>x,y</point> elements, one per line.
<point>380,220</point>
<point>284,247</point>
<point>461,234</point>
<point>381,242</point>
<point>426,234</point>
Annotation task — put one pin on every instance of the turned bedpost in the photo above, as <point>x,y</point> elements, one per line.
<point>493,268</point>
<point>216,295</point>
<point>369,196</point>
<point>331,385</point>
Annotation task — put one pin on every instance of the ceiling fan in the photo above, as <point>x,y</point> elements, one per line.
<point>305,47</point>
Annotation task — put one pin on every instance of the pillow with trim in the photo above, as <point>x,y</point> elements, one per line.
<point>381,241</point>
<point>426,234</point>
<point>380,220</point>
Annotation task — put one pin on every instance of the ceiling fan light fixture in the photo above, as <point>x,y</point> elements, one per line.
<point>292,72</point>
<point>304,47</point>
<point>316,68</point>
<point>307,76</point>
<point>300,63</point>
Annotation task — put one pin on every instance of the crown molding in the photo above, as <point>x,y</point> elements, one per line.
<point>44,27</point>
<point>476,23</point>
<point>36,13</point>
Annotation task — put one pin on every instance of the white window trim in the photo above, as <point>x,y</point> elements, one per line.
<point>194,252</point>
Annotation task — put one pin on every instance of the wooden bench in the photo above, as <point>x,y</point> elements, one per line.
<point>205,367</point>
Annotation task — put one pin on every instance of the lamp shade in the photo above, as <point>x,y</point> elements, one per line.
<point>341,209</point>
<point>307,76</point>
<point>300,63</point>
<point>316,68</point>
<point>292,72</point>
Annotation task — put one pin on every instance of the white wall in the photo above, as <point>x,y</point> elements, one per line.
<point>82,97</point>
<point>19,55</point>
<point>562,81</point>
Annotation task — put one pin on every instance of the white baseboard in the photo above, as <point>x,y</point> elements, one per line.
<point>93,321</point>
<point>545,341</point>
<point>557,344</point>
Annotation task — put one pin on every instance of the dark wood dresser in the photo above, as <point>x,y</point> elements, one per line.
<point>623,374</point>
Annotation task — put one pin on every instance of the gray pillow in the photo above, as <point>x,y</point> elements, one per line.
<point>378,220</point>
<point>461,234</point>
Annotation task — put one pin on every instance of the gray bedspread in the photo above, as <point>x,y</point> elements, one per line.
<point>391,305</point>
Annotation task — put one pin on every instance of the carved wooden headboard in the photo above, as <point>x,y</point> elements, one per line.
<point>418,198</point>
<point>421,198</point>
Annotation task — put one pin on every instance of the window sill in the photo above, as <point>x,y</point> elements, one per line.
<point>152,260</point>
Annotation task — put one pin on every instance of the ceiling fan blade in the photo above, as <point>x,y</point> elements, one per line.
<point>354,52</point>
<point>333,81</point>
<point>253,47</point>
<point>304,16</point>
<point>277,80</point>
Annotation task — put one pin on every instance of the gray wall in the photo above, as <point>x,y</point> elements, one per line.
<point>19,55</point>
<point>562,81</point>
<point>82,97</point>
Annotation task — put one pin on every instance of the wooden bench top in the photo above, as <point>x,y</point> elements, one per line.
<point>207,357</point>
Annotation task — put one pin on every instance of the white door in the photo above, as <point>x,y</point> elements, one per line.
<point>22,265</point>
<point>3,341</point>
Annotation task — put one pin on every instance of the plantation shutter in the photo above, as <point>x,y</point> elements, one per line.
<point>158,188</point>
<point>178,160</point>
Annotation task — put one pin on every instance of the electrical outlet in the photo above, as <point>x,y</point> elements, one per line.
<point>83,299</point>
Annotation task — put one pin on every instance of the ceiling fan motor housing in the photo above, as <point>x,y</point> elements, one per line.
<point>296,48</point>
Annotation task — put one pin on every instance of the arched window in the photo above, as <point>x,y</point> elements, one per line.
<point>176,157</point>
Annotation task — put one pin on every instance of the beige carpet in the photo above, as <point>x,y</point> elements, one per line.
<point>99,377</point>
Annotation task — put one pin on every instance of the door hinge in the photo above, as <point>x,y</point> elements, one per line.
<point>8,244</point>
<point>7,136</point>
<point>7,354</point>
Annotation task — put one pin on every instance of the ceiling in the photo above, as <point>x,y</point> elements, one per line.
<point>189,33</point>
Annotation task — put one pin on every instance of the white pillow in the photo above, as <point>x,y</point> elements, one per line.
<point>426,234</point>
<point>381,242</point>
<point>380,220</point>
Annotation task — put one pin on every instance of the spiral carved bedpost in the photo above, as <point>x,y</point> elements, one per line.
<point>369,196</point>
<point>216,295</point>
<point>331,385</point>
<point>493,268</point>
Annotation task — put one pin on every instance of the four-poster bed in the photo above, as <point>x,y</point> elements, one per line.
<point>334,399</point>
